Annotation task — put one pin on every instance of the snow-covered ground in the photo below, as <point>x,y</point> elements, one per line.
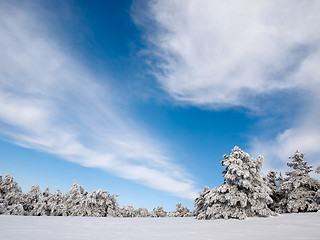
<point>286,226</point>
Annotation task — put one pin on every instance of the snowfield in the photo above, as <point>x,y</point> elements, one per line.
<point>285,226</point>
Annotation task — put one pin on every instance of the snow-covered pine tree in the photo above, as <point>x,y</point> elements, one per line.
<point>128,211</point>
<point>300,192</point>
<point>244,193</point>
<point>101,204</point>
<point>273,182</point>
<point>113,206</point>
<point>180,211</point>
<point>56,204</point>
<point>30,199</point>
<point>201,204</point>
<point>142,212</point>
<point>158,212</point>
<point>76,201</point>
<point>11,195</point>
<point>42,206</point>
<point>317,169</point>
<point>3,208</point>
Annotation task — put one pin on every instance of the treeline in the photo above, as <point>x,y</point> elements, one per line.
<point>76,202</point>
<point>246,192</point>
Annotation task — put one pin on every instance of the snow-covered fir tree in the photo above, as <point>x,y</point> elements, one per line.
<point>101,203</point>
<point>3,208</point>
<point>128,211</point>
<point>201,204</point>
<point>244,193</point>
<point>11,195</point>
<point>43,206</point>
<point>30,199</point>
<point>76,201</point>
<point>180,211</point>
<point>158,212</point>
<point>273,182</point>
<point>142,212</point>
<point>299,192</point>
<point>55,203</point>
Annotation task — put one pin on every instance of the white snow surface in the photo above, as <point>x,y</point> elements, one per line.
<point>285,226</point>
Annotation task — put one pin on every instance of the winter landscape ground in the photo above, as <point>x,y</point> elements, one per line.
<point>285,226</point>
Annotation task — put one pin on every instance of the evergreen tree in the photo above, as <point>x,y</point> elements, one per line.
<point>42,206</point>
<point>76,201</point>
<point>128,211</point>
<point>244,193</point>
<point>142,212</point>
<point>101,204</point>
<point>3,208</point>
<point>30,199</point>
<point>273,182</point>
<point>299,192</point>
<point>180,211</point>
<point>158,212</point>
<point>57,204</point>
<point>11,195</point>
<point>201,203</point>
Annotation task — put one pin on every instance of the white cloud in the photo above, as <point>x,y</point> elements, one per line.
<point>50,102</point>
<point>217,54</point>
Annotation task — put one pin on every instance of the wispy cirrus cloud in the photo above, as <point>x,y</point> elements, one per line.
<point>52,103</point>
<point>216,54</point>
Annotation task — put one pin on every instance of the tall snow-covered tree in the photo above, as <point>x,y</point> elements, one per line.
<point>180,211</point>
<point>244,193</point>
<point>300,192</point>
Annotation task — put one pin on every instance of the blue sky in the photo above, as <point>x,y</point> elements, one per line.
<point>143,98</point>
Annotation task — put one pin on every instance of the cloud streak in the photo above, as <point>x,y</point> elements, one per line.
<point>50,102</point>
<point>217,55</point>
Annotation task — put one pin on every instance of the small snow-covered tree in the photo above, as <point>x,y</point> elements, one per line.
<point>128,211</point>
<point>317,169</point>
<point>42,206</point>
<point>101,203</point>
<point>180,211</point>
<point>158,212</point>
<point>300,192</point>
<point>30,199</point>
<point>244,193</point>
<point>142,212</point>
<point>56,204</point>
